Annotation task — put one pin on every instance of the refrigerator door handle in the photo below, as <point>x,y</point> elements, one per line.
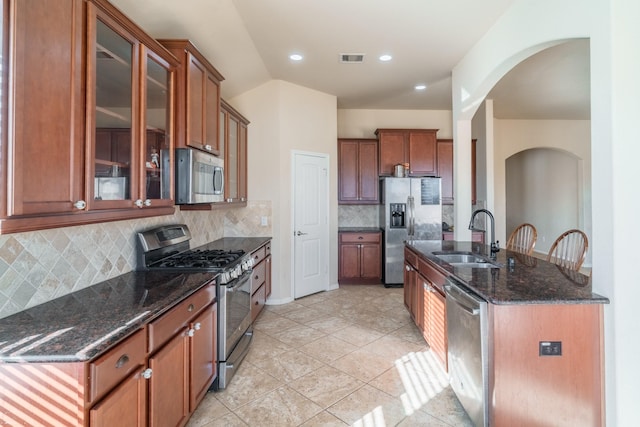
<point>412,220</point>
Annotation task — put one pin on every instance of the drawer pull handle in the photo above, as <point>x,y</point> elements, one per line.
<point>360,238</point>
<point>124,359</point>
<point>255,277</point>
<point>146,374</point>
<point>190,308</point>
<point>256,303</point>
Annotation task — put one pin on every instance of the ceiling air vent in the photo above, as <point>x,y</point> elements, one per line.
<point>352,58</point>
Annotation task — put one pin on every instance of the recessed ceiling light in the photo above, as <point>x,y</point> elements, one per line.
<point>385,58</point>
<point>420,87</point>
<point>295,57</point>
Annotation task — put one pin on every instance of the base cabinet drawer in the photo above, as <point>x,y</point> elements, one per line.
<point>113,367</point>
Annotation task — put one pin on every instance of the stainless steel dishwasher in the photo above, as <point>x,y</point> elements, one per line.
<point>468,351</point>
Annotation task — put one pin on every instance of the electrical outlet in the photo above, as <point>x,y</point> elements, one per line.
<point>264,221</point>
<point>550,348</point>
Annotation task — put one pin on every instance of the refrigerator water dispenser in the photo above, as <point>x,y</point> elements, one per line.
<point>397,215</point>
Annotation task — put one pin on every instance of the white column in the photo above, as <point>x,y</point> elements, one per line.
<point>462,179</point>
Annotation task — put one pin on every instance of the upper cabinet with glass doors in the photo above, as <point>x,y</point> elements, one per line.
<point>129,115</point>
<point>90,107</point>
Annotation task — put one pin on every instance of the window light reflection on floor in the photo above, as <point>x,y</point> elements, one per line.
<point>422,378</point>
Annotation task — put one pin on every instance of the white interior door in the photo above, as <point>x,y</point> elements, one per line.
<point>310,223</point>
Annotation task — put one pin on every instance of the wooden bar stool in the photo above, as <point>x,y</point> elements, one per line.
<point>569,249</point>
<point>523,239</point>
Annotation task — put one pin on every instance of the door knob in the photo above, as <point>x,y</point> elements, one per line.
<point>300,233</point>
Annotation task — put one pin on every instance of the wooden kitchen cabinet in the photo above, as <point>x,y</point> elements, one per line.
<point>417,147</point>
<point>127,402</point>
<point>182,358</point>
<point>425,300</point>
<point>56,127</point>
<point>126,405</point>
<point>358,171</point>
<point>235,154</point>
<point>260,279</point>
<point>445,169</point>
<point>197,99</point>
<point>169,383</point>
<point>412,290</point>
<point>360,257</point>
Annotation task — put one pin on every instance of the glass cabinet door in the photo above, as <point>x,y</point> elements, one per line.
<point>113,120</point>
<point>157,144</point>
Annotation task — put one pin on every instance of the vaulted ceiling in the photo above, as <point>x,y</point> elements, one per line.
<point>250,41</point>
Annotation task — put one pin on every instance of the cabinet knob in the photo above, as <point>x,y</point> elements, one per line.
<point>190,308</point>
<point>208,147</point>
<point>146,374</point>
<point>139,203</point>
<point>147,202</point>
<point>80,204</point>
<point>197,326</point>
<point>191,332</point>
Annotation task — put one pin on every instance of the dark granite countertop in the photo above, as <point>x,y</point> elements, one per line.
<point>530,281</point>
<point>359,229</point>
<point>82,325</point>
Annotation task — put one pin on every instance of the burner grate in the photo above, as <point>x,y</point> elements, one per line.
<point>198,258</point>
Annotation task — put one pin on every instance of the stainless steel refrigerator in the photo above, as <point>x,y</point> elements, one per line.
<point>411,209</point>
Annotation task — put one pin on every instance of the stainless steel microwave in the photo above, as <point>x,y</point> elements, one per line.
<point>199,177</point>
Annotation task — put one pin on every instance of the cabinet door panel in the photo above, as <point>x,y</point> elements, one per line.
<point>203,355</point>
<point>242,163</point>
<point>195,101</point>
<point>168,385</point>
<point>267,279</point>
<point>445,170</point>
<point>422,153</point>
<point>368,171</point>
<point>125,406</point>
<point>349,261</point>
<point>231,159</point>
<point>157,144</point>
<point>348,171</point>
<point>392,151</point>
<point>212,114</point>
<point>370,261</point>
<point>438,326</point>
<point>47,118</point>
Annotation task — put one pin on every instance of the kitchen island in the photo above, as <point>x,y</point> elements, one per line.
<point>543,336</point>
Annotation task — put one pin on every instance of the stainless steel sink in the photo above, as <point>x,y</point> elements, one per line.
<point>465,259</point>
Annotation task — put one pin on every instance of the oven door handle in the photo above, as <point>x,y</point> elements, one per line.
<point>239,282</point>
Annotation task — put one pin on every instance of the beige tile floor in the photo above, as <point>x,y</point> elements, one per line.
<point>350,356</point>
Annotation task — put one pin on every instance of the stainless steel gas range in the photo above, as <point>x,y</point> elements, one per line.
<point>167,248</point>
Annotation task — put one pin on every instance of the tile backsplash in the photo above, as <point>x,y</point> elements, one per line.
<point>358,215</point>
<point>38,266</point>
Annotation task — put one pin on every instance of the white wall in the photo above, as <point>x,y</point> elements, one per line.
<point>286,117</point>
<point>542,188</point>
<point>527,27</point>
<point>363,123</point>
<point>515,136</point>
